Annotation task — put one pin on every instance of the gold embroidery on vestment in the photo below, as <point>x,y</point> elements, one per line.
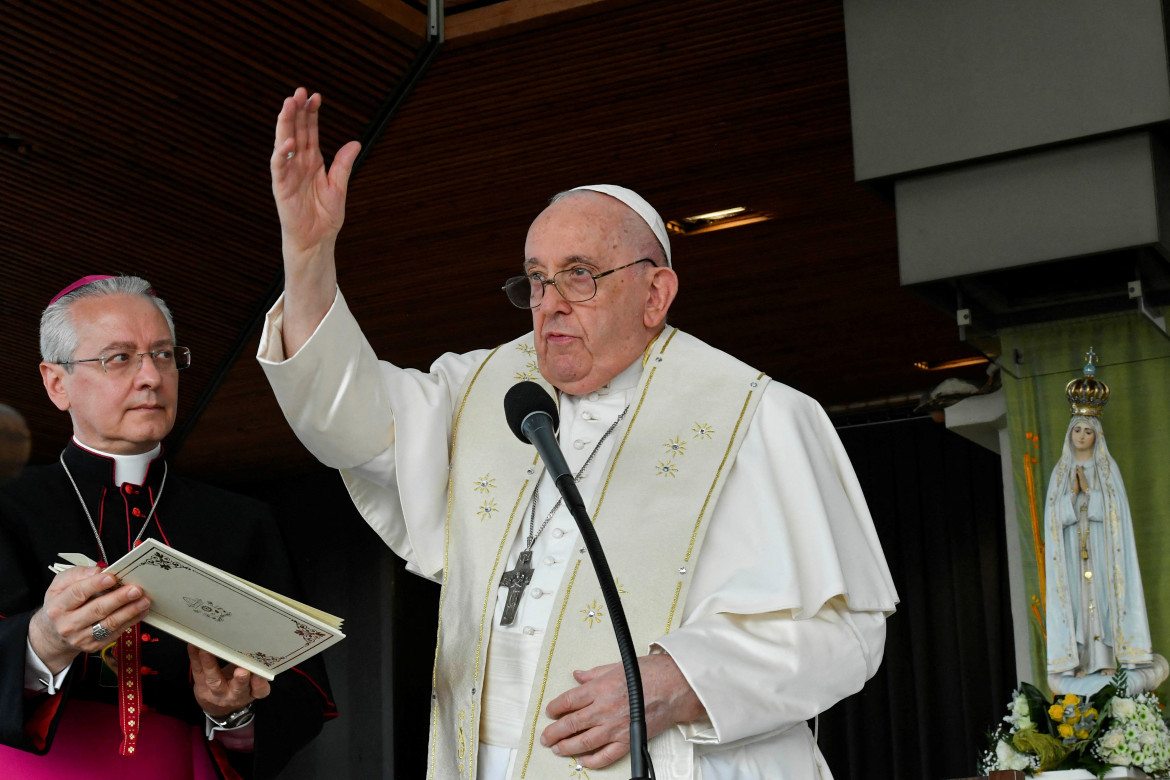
<point>446,559</point>
<point>547,664</point>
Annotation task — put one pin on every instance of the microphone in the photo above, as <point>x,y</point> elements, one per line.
<point>532,416</point>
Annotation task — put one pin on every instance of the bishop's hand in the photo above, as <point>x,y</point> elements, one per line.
<point>78,599</point>
<point>221,690</point>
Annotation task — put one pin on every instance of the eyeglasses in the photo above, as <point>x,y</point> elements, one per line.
<point>119,363</point>
<point>575,285</point>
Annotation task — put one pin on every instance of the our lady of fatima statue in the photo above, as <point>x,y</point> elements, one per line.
<point>1096,611</point>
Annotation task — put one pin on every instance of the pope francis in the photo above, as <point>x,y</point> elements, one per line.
<point>748,564</point>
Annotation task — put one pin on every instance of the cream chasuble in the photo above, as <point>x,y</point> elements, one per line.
<point>660,484</point>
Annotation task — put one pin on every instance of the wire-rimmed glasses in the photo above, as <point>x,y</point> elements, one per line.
<point>119,363</point>
<point>576,285</point>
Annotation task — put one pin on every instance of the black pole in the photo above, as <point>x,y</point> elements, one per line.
<point>640,766</point>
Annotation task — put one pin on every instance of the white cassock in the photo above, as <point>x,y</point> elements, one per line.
<point>786,612</point>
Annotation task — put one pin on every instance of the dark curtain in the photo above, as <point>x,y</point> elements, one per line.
<point>937,503</point>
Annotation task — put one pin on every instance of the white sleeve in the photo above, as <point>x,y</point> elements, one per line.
<point>330,391</point>
<point>762,674</point>
<point>387,428</point>
<point>37,677</point>
<point>786,614</point>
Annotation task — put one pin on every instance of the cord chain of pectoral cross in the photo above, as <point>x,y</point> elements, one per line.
<point>517,578</point>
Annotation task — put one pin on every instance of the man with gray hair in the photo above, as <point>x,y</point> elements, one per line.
<point>84,686</point>
<point>750,570</point>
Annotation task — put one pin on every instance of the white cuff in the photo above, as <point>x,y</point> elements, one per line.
<point>37,677</point>
<point>210,727</point>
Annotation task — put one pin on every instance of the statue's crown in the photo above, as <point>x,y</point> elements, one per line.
<point>1087,395</point>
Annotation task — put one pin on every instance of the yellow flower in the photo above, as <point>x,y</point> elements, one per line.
<point>1056,712</point>
<point>1065,730</point>
<point>1071,700</point>
<point>1082,734</point>
<point>1091,712</point>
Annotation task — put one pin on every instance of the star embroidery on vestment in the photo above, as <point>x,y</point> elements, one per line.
<point>524,376</point>
<point>485,511</point>
<point>618,584</point>
<point>577,771</point>
<point>485,484</point>
<point>676,446</point>
<point>703,430</point>
<point>592,613</point>
<point>667,469</point>
<point>527,349</point>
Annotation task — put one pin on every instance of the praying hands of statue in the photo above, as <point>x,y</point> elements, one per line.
<point>221,690</point>
<point>310,200</point>
<point>592,721</point>
<point>1080,481</point>
<point>78,599</point>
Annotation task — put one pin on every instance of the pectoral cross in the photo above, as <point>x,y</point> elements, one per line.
<point>515,581</point>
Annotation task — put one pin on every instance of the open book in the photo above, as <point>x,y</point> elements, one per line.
<point>250,626</point>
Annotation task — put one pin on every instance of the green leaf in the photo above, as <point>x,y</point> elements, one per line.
<point>1038,707</point>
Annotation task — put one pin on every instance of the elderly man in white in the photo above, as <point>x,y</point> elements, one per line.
<point>751,573</point>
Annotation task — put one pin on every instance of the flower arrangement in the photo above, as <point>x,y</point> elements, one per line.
<point>1097,733</point>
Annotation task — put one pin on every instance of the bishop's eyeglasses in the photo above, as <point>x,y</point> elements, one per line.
<point>119,363</point>
<point>576,285</point>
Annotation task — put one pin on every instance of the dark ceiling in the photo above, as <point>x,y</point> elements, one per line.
<point>134,137</point>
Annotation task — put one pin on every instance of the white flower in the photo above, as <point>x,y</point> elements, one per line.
<point>1110,740</point>
<point>1122,707</point>
<point>1009,758</point>
<point>1019,715</point>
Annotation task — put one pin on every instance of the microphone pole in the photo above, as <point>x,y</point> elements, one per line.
<point>639,749</point>
<point>532,416</point>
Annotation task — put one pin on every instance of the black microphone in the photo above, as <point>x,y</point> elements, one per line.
<point>532,416</point>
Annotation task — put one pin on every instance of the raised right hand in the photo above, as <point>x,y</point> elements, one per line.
<point>78,598</point>
<point>309,199</point>
<point>311,203</point>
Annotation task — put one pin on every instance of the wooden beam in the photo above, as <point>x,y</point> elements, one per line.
<point>401,16</point>
<point>512,16</point>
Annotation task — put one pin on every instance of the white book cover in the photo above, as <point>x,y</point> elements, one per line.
<point>250,626</point>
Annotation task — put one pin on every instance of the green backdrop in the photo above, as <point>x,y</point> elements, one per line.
<point>1133,358</point>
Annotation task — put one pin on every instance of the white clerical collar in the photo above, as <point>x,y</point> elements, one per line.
<point>625,381</point>
<point>622,383</point>
<point>127,468</point>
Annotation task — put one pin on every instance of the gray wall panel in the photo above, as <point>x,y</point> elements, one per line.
<point>936,82</point>
<point>1094,197</point>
